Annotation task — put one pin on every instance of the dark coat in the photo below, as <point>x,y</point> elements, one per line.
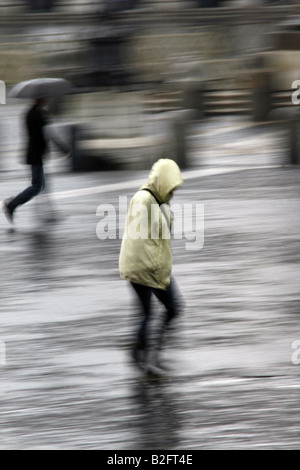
<point>37,143</point>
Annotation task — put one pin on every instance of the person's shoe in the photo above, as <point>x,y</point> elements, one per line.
<point>138,355</point>
<point>8,212</point>
<point>155,371</point>
<point>153,366</point>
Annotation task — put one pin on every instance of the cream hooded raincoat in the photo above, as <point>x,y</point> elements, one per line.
<point>146,255</point>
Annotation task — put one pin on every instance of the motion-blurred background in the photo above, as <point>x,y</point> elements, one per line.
<point>143,71</point>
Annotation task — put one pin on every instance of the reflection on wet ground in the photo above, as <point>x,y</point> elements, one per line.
<point>67,322</point>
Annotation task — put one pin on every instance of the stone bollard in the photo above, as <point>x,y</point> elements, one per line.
<point>180,143</point>
<point>193,98</point>
<point>290,119</point>
<point>180,128</point>
<point>73,144</point>
<point>293,132</point>
<point>261,95</point>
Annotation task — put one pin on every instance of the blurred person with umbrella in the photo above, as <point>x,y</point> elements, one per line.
<point>38,90</point>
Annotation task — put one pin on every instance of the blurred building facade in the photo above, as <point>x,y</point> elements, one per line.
<point>237,56</point>
<point>166,39</point>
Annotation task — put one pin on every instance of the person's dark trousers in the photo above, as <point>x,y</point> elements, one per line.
<point>167,298</point>
<point>37,185</point>
<point>41,5</point>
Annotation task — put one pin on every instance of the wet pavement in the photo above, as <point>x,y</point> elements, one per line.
<point>67,319</point>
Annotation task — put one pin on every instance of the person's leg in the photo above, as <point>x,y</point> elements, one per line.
<point>144,296</point>
<point>37,185</point>
<point>170,299</point>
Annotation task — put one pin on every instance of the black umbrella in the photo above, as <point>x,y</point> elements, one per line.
<point>40,88</point>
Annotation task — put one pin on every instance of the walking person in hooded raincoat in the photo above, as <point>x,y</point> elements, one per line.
<point>146,255</point>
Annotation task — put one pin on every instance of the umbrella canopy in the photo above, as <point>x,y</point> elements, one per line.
<point>40,88</point>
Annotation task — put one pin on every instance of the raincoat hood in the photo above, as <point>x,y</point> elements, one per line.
<point>164,178</point>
